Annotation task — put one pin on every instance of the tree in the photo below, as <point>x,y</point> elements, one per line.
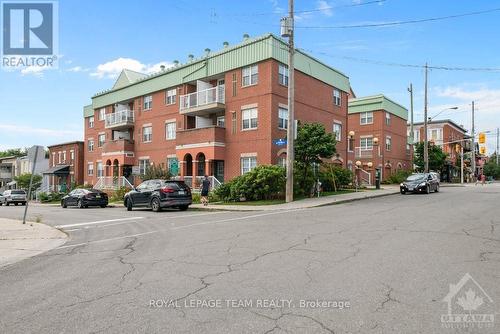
<point>312,145</point>
<point>156,172</point>
<point>437,158</point>
<point>16,152</point>
<point>23,181</point>
<point>491,169</point>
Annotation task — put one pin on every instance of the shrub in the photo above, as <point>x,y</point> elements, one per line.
<point>50,197</point>
<point>261,183</point>
<point>84,186</point>
<point>119,194</point>
<point>334,177</point>
<point>398,177</point>
<point>156,172</point>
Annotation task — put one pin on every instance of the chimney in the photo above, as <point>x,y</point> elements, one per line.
<point>246,36</point>
<point>190,57</point>
<point>226,44</point>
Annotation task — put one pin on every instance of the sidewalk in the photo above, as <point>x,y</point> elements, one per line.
<point>308,202</point>
<point>19,242</point>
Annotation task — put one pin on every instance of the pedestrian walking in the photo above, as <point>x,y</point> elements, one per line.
<point>205,188</point>
<point>483,179</point>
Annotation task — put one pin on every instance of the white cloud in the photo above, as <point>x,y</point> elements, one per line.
<point>112,69</point>
<point>34,70</point>
<point>77,69</point>
<point>325,7</point>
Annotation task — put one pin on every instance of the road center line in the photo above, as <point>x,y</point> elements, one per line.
<point>234,219</point>
<point>106,240</point>
<point>98,222</point>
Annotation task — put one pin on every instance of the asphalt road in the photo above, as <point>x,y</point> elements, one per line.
<point>375,266</point>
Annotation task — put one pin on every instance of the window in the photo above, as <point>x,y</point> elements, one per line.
<point>388,143</point>
<point>247,164</point>
<point>234,84</point>
<point>101,139</point>
<point>337,131</point>
<point>282,118</point>
<point>72,155</point>
<point>282,160</point>
<point>337,99</point>
<point>143,166</point>
<point>416,135</point>
<point>100,170</point>
<point>102,114</point>
<point>366,117</point>
<point>435,134</point>
<point>64,156</point>
<point>91,145</point>
<point>91,122</point>
<point>233,122</point>
<point>387,118</point>
<point>147,134</point>
<point>221,121</point>
<point>170,130</point>
<point>171,96</point>
<point>249,119</point>
<point>408,149</point>
<point>366,143</point>
<point>53,159</point>
<point>59,157</point>
<point>250,75</point>
<point>283,74</point>
<point>148,102</point>
<point>90,169</point>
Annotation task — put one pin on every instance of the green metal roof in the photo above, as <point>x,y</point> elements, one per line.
<point>128,77</point>
<point>88,111</point>
<point>250,51</point>
<point>377,102</point>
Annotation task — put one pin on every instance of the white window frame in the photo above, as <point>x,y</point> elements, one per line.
<point>363,143</point>
<point>102,114</point>
<point>100,169</point>
<point>283,75</point>
<point>282,160</point>
<point>221,121</point>
<point>170,130</point>
<point>365,116</point>
<point>337,132</point>
<point>143,165</point>
<point>147,137</point>
<point>64,156</point>
<point>251,116</point>
<point>416,135</point>
<point>250,75</point>
<point>337,97</point>
<point>90,144</point>
<point>171,96</point>
<point>248,163</point>
<point>439,134</point>
<point>90,169</point>
<point>387,118</point>
<point>282,118</point>
<point>147,102</point>
<point>91,122</point>
<point>100,142</point>
<point>388,143</point>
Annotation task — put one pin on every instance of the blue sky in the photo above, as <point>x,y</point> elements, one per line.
<point>98,38</point>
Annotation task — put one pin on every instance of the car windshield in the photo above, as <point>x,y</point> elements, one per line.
<point>415,177</point>
<point>18,192</point>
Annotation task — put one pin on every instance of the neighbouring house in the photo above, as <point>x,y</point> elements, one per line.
<point>8,170</point>
<point>219,115</point>
<point>65,167</point>
<point>378,138</point>
<point>449,136</point>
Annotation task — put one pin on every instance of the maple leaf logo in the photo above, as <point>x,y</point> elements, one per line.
<point>470,302</point>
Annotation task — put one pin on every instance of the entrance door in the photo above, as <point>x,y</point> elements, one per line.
<point>219,170</point>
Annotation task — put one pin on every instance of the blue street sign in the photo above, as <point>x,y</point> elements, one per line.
<point>279,142</point>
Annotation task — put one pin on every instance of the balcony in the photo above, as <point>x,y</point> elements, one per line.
<point>123,119</point>
<point>119,145</point>
<point>362,152</point>
<point>203,102</point>
<point>210,135</point>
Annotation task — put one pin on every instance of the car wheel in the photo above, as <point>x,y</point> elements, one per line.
<point>15,204</point>
<point>7,203</point>
<point>428,189</point>
<point>155,205</point>
<point>1,204</point>
<point>129,204</point>
<point>63,204</point>
<point>183,207</point>
<point>23,203</point>
<point>80,204</point>
<point>103,206</point>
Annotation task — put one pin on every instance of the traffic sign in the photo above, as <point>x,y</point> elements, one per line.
<point>280,142</point>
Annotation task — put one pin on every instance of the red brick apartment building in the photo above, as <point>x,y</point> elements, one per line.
<point>377,128</point>
<point>446,134</point>
<point>66,167</point>
<point>221,115</point>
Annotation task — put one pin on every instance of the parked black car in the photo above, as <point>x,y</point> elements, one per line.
<point>83,198</point>
<point>420,183</point>
<point>159,194</point>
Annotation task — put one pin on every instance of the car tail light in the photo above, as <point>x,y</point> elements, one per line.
<point>167,190</point>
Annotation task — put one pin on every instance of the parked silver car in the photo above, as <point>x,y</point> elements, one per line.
<point>15,197</point>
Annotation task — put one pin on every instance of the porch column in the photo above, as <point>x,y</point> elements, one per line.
<point>182,166</point>
<point>208,170</point>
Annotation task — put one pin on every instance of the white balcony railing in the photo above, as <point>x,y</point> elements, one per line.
<point>203,97</point>
<point>363,152</point>
<point>112,183</point>
<point>122,117</point>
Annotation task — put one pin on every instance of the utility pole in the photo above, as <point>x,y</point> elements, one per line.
<point>462,163</point>
<point>291,99</point>
<point>410,89</point>
<point>473,153</point>
<point>426,145</point>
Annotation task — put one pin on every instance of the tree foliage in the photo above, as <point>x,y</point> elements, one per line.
<point>16,152</point>
<point>437,158</point>
<point>23,181</point>
<point>491,169</point>
<point>156,172</point>
<point>334,177</point>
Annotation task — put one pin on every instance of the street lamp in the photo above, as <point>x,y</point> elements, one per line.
<point>351,140</point>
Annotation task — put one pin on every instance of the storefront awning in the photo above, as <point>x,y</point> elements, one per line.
<point>58,170</point>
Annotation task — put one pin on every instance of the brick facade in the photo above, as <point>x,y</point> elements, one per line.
<point>68,155</point>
